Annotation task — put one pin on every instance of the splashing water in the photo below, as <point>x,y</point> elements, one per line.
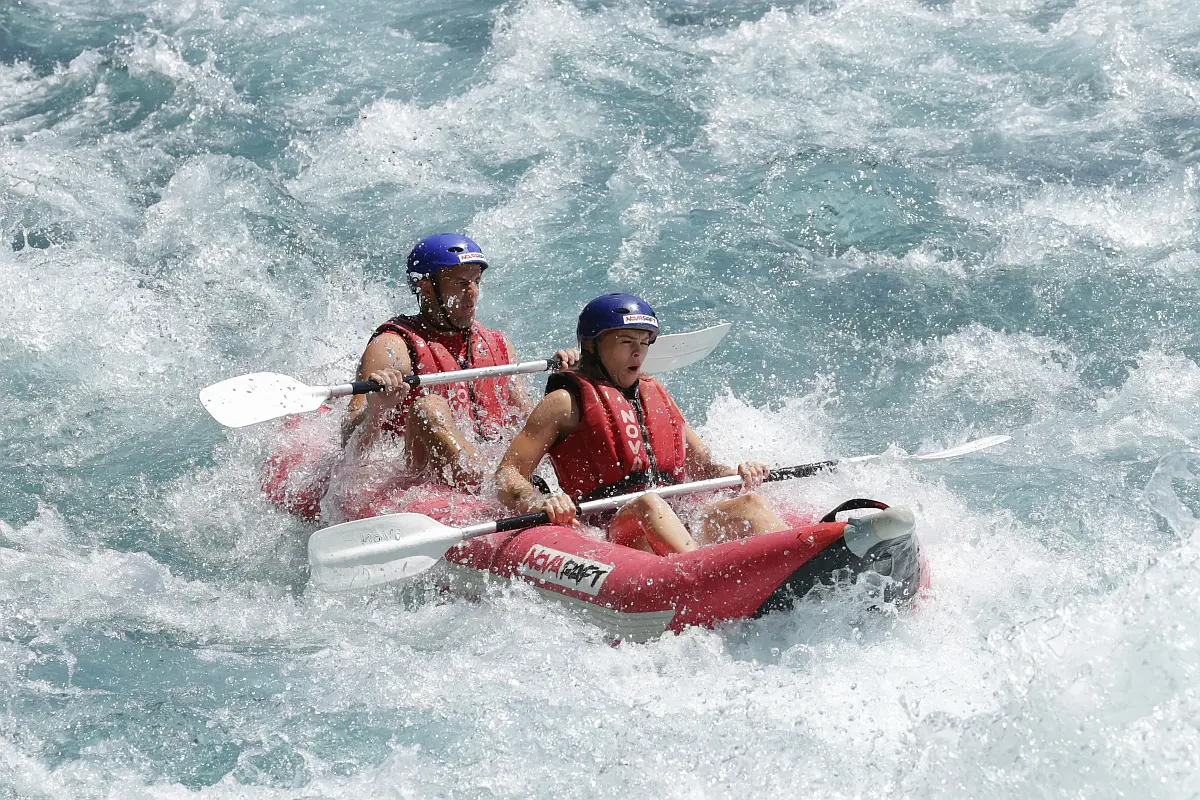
<point>1162,497</point>
<point>928,221</point>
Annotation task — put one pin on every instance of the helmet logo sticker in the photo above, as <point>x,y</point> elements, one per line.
<point>470,257</point>
<point>639,319</point>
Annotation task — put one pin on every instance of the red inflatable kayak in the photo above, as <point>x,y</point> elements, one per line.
<point>636,595</point>
<point>296,476</point>
<point>630,594</point>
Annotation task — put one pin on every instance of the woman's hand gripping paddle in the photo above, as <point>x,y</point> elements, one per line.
<point>377,550</point>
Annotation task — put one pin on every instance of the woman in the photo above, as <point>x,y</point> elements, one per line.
<point>610,430</point>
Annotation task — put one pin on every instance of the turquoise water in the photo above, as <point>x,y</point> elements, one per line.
<point>928,221</point>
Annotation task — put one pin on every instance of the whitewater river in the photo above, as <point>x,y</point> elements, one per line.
<point>927,220</point>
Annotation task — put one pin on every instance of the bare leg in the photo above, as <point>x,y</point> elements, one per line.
<point>434,443</point>
<point>648,523</point>
<point>748,515</point>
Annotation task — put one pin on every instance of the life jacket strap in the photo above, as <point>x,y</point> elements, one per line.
<point>633,482</point>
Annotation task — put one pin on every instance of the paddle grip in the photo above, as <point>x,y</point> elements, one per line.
<point>365,387</point>
<point>522,522</point>
<point>799,471</point>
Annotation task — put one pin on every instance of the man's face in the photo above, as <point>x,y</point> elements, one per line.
<point>622,353</point>
<point>459,287</point>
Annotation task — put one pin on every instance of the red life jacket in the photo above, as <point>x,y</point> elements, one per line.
<point>485,405</point>
<point>607,453</point>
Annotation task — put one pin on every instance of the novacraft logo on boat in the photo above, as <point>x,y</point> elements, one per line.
<point>564,569</point>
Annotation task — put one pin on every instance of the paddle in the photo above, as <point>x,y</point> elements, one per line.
<point>377,550</point>
<point>261,396</point>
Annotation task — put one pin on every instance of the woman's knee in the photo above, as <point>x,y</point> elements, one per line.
<point>756,502</point>
<point>741,516</point>
<point>739,506</point>
<point>648,506</point>
<point>648,523</point>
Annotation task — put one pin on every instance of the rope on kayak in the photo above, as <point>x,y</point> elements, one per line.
<point>853,505</point>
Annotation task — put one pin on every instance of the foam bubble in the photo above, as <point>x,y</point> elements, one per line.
<point>200,190</point>
<point>996,367</point>
<point>1161,496</point>
<point>1160,217</point>
<point>160,55</point>
<point>1155,409</point>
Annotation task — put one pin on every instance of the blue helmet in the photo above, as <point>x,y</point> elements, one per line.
<point>612,311</point>
<point>438,252</point>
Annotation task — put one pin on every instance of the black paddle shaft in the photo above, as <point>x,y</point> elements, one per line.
<point>799,471</point>
<point>366,387</point>
<point>522,522</point>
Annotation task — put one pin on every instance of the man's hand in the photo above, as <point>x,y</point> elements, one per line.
<point>569,356</point>
<point>392,381</point>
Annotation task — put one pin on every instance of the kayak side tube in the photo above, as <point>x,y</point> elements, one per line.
<point>639,595</point>
<point>881,549</point>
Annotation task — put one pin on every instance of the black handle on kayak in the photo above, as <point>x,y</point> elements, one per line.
<point>799,471</point>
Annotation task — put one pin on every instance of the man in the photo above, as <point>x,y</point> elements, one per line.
<point>439,427</point>
<point>610,430</point>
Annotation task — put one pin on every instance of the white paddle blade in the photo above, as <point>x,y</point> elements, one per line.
<point>675,350</point>
<point>963,449</point>
<point>258,397</point>
<point>953,452</point>
<point>377,550</point>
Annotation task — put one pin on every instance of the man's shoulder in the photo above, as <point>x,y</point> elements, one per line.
<point>388,345</point>
<point>397,323</point>
<point>560,405</point>
<point>385,336</point>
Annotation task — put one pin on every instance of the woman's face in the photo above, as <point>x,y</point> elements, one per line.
<point>622,353</point>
